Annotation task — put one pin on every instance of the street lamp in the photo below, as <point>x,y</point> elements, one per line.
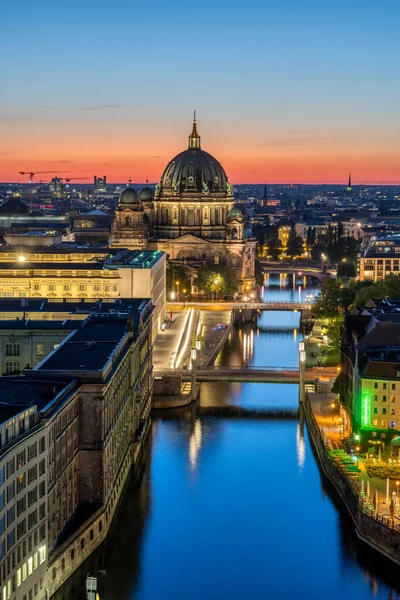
<point>21,258</point>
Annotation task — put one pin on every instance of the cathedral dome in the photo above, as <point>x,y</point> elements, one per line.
<point>146,194</point>
<point>194,170</point>
<point>129,196</point>
<point>237,213</point>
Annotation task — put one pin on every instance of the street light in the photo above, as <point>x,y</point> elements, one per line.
<point>21,258</point>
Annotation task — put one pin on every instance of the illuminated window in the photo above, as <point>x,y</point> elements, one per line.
<point>384,423</point>
<point>30,565</point>
<point>42,554</point>
<point>375,423</point>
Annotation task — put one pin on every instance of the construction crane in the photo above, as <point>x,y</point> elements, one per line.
<point>32,173</point>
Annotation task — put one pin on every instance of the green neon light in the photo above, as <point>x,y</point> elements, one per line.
<point>366,410</point>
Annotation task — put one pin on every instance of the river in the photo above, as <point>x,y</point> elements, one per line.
<point>235,508</point>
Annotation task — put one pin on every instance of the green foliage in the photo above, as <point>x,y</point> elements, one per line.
<point>387,288</point>
<point>347,268</point>
<point>178,273</point>
<point>217,280</point>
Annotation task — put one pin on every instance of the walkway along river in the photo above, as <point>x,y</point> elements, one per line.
<point>235,508</point>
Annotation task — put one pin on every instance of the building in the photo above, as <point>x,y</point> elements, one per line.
<point>23,489</point>
<point>69,272</point>
<point>192,216</point>
<point>24,342</point>
<point>70,431</point>
<point>100,184</point>
<point>381,258</point>
<point>370,377</point>
<point>95,429</point>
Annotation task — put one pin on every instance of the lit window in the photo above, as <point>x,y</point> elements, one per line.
<point>30,565</point>
<point>42,554</point>
<point>19,577</point>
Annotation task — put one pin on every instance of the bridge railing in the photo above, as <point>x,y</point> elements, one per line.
<point>255,368</point>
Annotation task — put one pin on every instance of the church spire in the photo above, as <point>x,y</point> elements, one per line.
<point>265,195</point>
<point>349,185</point>
<point>194,138</point>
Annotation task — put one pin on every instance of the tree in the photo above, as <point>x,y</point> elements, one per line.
<point>177,278</point>
<point>347,268</point>
<point>218,280</point>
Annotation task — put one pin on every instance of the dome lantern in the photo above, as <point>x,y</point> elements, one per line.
<point>194,138</point>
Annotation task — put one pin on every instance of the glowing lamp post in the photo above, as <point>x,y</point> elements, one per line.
<point>193,356</point>
<point>302,369</point>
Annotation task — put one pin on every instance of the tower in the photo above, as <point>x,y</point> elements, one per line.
<point>349,189</point>
<point>265,196</point>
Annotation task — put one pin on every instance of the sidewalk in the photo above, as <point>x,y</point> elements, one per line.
<point>167,342</point>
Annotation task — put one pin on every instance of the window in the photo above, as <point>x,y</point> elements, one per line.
<point>32,519</point>
<point>21,482</point>
<point>35,560</point>
<point>82,287</point>
<point>384,423</point>
<point>52,287</point>
<point>42,467</point>
<point>375,411</point>
<point>393,399</point>
<point>36,287</point>
<point>19,577</point>
<point>67,288</point>
<point>375,385</point>
<point>2,500</point>
<point>11,539</point>
<point>383,398</point>
<point>32,474</point>
<point>42,489</point>
<point>32,496</point>
<point>21,506</point>
<point>42,533</point>
<point>42,445</point>
<point>21,528</point>
<point>2,524</point>
<point>11,515</point>
<point>375,423</point>
<point>82,543</point>
<point>10,492</point>
<point>40,349</point>
<point>13,349</point>
<point>393,386</point>
<point>72,554</point>
<point>42,511</point>
<point>32,451</point>
<point>30,565</point>
<point>96,288</point>
<point>375,398</point>
<point>10,468</point>
<point>384,386</point>
<point>384,411</point>
<point>20,459</point>
<point>12,367</point>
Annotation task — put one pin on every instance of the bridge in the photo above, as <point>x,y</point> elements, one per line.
<point>251,373</point>
<point>279,269</point>
<point>291,306</point>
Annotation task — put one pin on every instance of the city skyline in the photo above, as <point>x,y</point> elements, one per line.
<point>283,94</point>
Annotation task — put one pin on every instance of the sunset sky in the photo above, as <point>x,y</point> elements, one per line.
<point>285,91</point>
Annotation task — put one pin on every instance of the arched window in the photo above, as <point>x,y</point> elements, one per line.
<point>128,221</point>
<point>235,233</point>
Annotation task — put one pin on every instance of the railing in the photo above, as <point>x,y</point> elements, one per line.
<point>254,368</point>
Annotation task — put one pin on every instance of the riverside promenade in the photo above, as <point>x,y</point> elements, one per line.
<point>375,524</point>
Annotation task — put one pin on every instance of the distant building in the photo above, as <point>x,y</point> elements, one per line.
<point>56,186</point>
<point>381,258</point>
<point>100,184</point>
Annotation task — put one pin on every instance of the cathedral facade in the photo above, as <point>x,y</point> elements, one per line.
<point>191,216</point>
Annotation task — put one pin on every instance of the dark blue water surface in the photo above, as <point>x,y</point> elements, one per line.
<point>235,508</point>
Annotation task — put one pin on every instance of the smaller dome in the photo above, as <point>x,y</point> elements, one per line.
<point>237,213</point>
<point>129,196</point>
<point>146,194</point>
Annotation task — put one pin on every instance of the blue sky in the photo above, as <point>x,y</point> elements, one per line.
<point>315,78</point>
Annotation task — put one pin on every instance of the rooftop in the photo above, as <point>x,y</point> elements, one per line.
<point>88,348</point>
<point>140,259</point>
<point>19,393</point>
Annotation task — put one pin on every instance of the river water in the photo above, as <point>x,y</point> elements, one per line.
<point>235,508</point>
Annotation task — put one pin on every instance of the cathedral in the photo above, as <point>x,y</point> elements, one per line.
<point>191,216</point>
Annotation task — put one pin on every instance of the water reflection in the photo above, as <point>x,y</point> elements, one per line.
<point>254,523</point>
<point>272,341</point>
<point>280,289</point>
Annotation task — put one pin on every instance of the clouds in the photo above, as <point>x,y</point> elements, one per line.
<point>102,107</point>
<point>61,162</point>
<point>11,119</point>
<point>304,141</point>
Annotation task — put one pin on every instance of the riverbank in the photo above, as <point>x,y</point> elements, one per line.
<point>371,526</point>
